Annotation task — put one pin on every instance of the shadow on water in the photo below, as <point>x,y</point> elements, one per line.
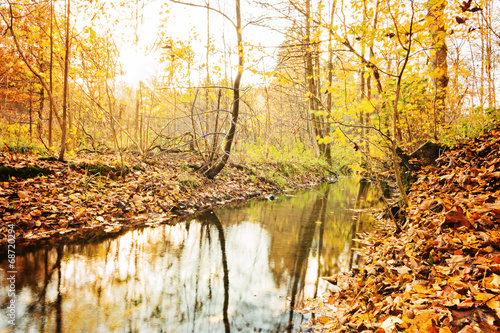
<point>212,219</point>
<point>235,269</point>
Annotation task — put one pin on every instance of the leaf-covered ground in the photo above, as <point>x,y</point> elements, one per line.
<point>442,274</point>
<point>89,196</point>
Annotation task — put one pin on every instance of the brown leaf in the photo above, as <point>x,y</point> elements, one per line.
<point>456,217</point>
<point>23,195</point>
<point>462,318</point>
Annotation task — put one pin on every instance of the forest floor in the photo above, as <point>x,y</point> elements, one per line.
<point>442,273</point>
<point>89,197</point>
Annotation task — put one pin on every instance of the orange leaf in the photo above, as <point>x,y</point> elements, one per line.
<point>324,320</point>
<point>492,282</point>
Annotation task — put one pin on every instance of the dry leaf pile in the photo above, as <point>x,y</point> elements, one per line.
<point>90,195</point>
<point>442,274</point>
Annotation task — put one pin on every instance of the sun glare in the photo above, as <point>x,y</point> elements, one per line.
<point>137,67</point>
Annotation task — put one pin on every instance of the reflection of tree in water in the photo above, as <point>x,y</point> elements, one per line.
<point>171,276</point>
<point>36,271</point>
<point>58,305</point>
<point>346,216</point>
<point>286,226</point>
<point>361,202</point>
<point>324,202</point>
<point>341,215</point>
<point>306,237</point>
<point>212,218</point>
<point>107,286</point>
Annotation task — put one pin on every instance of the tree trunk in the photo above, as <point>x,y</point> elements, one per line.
<point>329,101</point>
<point>39,123</point>
<point>215,169</point>
<point>490,55</point>
<point>31,111</point>
<point>438,60</point>
<point>65,87</point>
<point>51,106</point>
<point>395,112</point>
<point>311,84</point>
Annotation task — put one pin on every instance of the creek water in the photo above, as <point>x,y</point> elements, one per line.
<point>239,269</point>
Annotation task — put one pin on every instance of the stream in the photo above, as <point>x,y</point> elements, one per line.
<point>236,269</point>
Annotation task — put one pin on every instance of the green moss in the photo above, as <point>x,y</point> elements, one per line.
<point>47,158</point>
<point>138,168</point>
<point>6,173</point>
<point>103,170</point>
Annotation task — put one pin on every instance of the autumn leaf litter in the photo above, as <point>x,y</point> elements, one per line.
<point>442,274</point>
<point>90,196</point>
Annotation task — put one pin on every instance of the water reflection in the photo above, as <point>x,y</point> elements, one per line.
<point>238,269</point>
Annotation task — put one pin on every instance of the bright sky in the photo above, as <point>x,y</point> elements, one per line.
<point>180,23</point>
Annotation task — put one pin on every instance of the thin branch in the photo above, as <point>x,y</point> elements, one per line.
<point>206,7</point>
<point>25,60</point>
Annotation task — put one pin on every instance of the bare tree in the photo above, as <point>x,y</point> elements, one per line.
<point>210,171</point>
<point>221,162</point>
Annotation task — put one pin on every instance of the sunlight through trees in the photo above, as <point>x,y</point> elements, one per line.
<point>347,82</point>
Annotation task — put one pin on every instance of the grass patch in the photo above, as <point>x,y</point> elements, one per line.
<point>188,179</point>
<point>479,121</point>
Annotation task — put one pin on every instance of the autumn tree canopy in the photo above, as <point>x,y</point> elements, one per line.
<point>343,81</point>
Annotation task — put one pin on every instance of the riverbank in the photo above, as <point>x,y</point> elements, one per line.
<point>442,273</point>
<point>91,195</point>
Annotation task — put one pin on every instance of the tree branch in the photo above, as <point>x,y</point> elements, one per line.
<point>206,7</point>
<point>25,60</point>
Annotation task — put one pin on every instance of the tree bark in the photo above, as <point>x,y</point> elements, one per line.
<point>438,60</point>
<point>65,87</point>
<point>215,169</point>
<point>51,106</point>
<point>395,113</point>
<point>317,121</point>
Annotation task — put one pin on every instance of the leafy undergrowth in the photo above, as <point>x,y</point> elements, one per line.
<point>91,196</point>
<point>442,274</point>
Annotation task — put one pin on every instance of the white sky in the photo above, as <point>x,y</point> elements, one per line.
<point>180,23</point>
